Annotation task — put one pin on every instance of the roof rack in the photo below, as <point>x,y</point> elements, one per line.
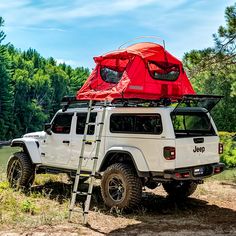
<point>72,102</point>
<point>190,100</point>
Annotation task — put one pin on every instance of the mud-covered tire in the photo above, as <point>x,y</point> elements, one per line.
<point>121,187</point>
<point>180,189</point>
<point>20,171</point>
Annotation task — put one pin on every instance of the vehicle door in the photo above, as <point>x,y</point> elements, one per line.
<point>76,141</point>
<point>56,149</point>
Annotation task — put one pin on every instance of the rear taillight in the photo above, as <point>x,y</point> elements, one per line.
<point>182,175</point>
<point>220,148</point>
<point>217,170</point>
<point>169,153</point>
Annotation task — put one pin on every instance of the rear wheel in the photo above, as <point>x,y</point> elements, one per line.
<point>180,189</point>
<point>121,187</point>
<point>20,171</point>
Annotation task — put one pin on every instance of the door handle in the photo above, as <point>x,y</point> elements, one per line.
<point>66,141</point>
<point>88,143</point>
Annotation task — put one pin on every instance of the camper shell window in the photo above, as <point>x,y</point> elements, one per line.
<point>163,70</point>
<point>110,75</point>
<point>191,124</point>
<point>136,123</point>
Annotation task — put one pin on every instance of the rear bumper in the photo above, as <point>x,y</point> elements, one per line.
<point>195,172</point>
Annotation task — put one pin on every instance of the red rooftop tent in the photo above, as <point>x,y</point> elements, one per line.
<point>143,70</point>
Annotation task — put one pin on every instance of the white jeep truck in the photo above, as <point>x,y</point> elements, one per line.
<point>140,146</point>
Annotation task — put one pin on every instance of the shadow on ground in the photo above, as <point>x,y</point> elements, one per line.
<point>156,213</point>
<point>61,191</point>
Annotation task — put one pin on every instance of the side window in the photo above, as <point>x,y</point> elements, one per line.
<point>136,123</point>
<point>80,125</point>
<point>62,123</point>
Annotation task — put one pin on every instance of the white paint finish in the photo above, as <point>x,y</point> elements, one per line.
<point>32,148</point>
<point>76,144</point>
<point>151,149</point>
<point>54,151</point>
<point>146,149</point>
<point>136,153</point>
<point>185,156</point>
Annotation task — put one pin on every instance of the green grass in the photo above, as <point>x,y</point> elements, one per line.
<point>48,200</point>
<point>227,175</point>
<point>5,153</point>
<point>39,206</point>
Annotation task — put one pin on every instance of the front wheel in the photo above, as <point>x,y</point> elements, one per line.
<point>20,171</point>
<point>121,187</point>
<point>180,189</point>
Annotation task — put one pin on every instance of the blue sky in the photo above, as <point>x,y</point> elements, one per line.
<point>76,30</point>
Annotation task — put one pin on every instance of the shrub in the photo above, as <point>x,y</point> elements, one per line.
<point>229,155</point>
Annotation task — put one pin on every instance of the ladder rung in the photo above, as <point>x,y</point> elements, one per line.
<point>89,175</point>
<point>91,123</point>
<point>82,193</point>
<point>77,210</point>
<point>88,158</point>
<point>92,141</point>
<point>94,123</point>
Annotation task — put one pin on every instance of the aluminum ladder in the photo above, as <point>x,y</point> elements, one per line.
<point>75,192</point>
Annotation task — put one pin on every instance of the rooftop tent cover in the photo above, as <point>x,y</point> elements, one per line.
<point>143,71</point>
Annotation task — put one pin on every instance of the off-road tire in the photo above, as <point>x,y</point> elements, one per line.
<point>180,189</point>
<point>132,186</point>
<point>20,171</point>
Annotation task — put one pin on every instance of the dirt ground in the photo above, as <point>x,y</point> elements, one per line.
<point>211,210</point>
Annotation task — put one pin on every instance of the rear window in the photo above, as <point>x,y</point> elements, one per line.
<point>136,123</point>
<point>163,70</point>
<point>192,124</point>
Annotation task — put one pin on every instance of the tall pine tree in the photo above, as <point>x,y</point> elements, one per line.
<point>6,125</point>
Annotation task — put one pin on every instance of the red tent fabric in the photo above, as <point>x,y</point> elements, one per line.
<point>143,71</point>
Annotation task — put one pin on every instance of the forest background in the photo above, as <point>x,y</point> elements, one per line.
<point>31,86</point>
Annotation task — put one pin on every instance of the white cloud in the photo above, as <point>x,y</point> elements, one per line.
<point>26,13</point>
<point>6,4</point>
<point>70,62</point>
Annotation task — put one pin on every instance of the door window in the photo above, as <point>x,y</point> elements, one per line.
<point>62,123</point>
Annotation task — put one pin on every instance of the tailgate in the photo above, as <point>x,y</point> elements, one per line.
<point>196,151</point>
<point>196,138</point>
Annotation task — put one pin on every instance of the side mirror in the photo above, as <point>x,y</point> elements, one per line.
<point>47,128</point>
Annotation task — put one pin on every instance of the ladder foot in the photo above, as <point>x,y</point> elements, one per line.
<point>87,224</point>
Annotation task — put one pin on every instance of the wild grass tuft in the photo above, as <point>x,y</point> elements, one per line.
<point>38,206</point>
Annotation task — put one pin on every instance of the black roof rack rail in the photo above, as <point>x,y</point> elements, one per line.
<point>207,101</point>
<point>70,101</point>
<point>200,100</point>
